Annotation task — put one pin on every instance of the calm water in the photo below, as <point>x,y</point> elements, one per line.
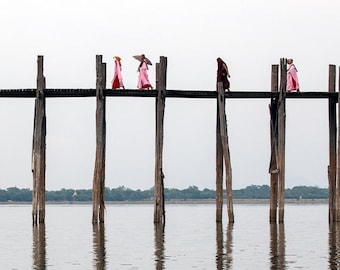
<point>190,240</point>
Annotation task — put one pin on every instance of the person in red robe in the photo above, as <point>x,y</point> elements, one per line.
<point>223,74</point>
<point>117,81</point>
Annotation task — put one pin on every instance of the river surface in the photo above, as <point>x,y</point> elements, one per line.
<point>191,239</point>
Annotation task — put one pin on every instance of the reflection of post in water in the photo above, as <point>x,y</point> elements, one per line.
<point>39,247</point>
<point>219,246</point>
<point>333,243</point>
<point>224,259</point>
<point>277,246</point>
<point>159,246</point>
<point>99,253</point>
<point>229,245</point>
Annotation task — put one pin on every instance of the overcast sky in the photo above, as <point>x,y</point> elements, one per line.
<point>250,35</point>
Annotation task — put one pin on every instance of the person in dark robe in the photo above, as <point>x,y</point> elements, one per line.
<point>223,74</point>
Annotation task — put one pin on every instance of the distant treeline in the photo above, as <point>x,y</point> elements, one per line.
<point>191,193</point>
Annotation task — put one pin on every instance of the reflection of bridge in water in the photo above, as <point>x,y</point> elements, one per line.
<point>277,96</point>
<point>224,247</point>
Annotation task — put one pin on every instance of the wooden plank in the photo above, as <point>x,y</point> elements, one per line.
<point>159,208</point>
<point>199,94</point>
<point>99,168</point>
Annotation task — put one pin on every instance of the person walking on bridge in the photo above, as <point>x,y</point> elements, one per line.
<point>117,81</point>
<point>143,78</point>
<point>292,78</point>
<point>223,74</point>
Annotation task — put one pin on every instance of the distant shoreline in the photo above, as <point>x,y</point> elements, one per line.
<point>203,201</point>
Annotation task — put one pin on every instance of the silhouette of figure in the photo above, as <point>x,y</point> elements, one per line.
<point>223,74</point>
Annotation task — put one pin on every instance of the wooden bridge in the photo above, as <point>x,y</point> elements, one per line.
<point>277,97</point>
<point>201,94</point>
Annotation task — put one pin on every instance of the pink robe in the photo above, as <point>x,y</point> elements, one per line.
<point>117,81</point>
<point>292,79</point>
<point>143,78</point>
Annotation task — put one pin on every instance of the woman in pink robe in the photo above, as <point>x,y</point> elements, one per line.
<point>292,78</point>
<point>143,78</point>
<point>117,81</point>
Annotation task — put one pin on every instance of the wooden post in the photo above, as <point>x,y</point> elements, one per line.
<point>99,168</point>
<point>219,168</point>
<point>273,167</point>
<point>282,137</point>
<point>336,185</point>
<point>332,146</point>
<point>225,149</point>
<point>39,148</point>
<point>159,210</point>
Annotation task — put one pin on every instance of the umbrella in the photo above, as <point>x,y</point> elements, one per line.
<point>140,58</point>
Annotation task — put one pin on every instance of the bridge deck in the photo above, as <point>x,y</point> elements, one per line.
<point>91,92</point>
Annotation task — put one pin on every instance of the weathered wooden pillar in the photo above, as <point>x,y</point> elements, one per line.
<point>225,149</point>
<point>99,168</point>
<point>273,167</point>
<point>159,210</point>
<point>39,148</point>
<point>282,138</point>
<point>336,185</point>
<point>219,168</point>
<point>332,146</point>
